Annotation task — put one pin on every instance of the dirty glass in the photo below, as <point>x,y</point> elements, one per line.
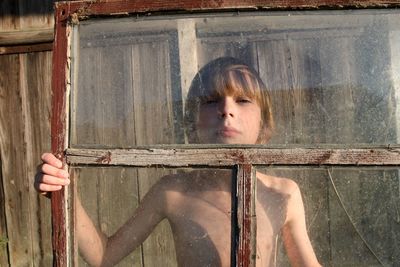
<point>182,216</point>
<point>333,76</point>
<point>352,213</point>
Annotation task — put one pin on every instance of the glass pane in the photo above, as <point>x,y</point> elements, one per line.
<point>172,217</point>
<point>352,214</point>
<point>333,77</point>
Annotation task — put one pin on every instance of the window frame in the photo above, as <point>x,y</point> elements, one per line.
<point>243,158</point>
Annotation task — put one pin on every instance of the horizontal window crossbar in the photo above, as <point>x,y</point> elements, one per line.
<point>178,157</point>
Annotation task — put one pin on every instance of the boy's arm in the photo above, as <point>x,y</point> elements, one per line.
<point>297,242</point>
<point>99,250</point>
<point>94,245</point>
<point>91,241</point>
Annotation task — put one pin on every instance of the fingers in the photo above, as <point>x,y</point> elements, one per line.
<point>50,176</point>
<point>53,171</point>
<point>48,183</point>
<point>51,180</point>
<point>51,160</point>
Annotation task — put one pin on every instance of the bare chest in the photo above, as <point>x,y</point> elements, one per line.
<point>201,224</point>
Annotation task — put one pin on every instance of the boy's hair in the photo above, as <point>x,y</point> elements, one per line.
<point>227,76</point>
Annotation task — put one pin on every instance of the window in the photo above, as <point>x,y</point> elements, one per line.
<point>121,81</point>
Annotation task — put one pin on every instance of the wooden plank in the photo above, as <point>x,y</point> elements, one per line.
<point>158,249</point>
<point>188,57</point>
<point>16,146</point>
<point>231,156</point>
<point>275,68</point>
<point>25,98</point>
<point>13,149</point>
<point>58,138</point>
<point>26,36</point>
<point>303,63</point>
<point>118,198</point>
<point>84,8</point>
<point>85,103</point>
<point>154,106</point>
<point>24,15</point>
<point>4,261</point>
<point>246,213</point>
<point>40,47</point>
<point>37,93</point>
<point>109,95</point>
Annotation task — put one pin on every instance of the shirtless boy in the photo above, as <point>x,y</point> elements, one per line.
<point>227,104</point>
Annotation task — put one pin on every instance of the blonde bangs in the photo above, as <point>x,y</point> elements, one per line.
<point>235,81</point>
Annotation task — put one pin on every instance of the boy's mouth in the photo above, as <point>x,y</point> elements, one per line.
<point>228,131</point>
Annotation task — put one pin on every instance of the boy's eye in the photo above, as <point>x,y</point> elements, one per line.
<point>243,100</point>
<point>210,101</point>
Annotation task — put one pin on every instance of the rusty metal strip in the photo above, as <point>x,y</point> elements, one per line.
<point>176,157</point>
<point>246,249</point>
<point>76,10</point>
<point>58,129</point>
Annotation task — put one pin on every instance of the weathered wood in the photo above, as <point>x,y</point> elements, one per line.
<point>12,191</point>
<point>24,100</point>
<point>26,36</point>
<point>231,156</point>
<point>40,47</point>
<point>37,124</point>
<point>83,8</point>
<point>58,138</point>
<point>110,94</point>
<point>12,150</point>
<point>247,220</point>
<point>158,249</point>
<point>187,40</point>
<point>3,223</point>
<point>26,15</point>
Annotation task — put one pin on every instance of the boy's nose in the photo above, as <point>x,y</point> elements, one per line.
<point>226,107</point>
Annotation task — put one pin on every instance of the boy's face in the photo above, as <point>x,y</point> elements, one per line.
<point>229,119</point>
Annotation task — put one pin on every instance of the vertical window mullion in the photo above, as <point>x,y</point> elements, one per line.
<point>246,216</point>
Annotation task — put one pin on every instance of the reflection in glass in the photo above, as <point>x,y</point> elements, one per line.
<point>193,205</point>
<point>333,76</point>
<point>352,214</point>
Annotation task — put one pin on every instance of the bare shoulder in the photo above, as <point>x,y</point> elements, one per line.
<point>284,186</point>
<point>172,180</point>
<point>179,182</point>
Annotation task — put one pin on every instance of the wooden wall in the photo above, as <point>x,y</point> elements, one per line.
<point>25,93</point>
